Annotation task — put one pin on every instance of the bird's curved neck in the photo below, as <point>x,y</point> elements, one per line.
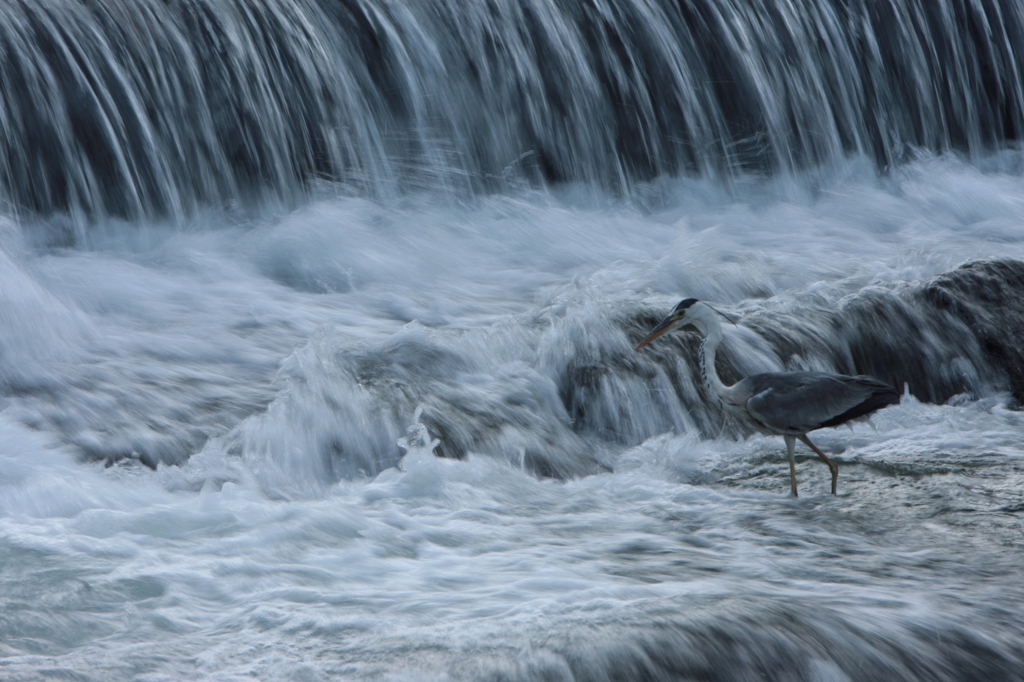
<point>709,346</point>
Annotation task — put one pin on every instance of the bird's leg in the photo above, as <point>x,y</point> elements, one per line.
<point>790,446</point>
<point>831,465</point>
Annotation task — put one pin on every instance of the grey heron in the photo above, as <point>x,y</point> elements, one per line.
<point>787,404</point>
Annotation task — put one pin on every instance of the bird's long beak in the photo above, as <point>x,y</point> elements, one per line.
<point>663,327</point>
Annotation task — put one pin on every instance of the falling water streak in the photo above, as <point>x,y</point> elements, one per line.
<point>138,108</point>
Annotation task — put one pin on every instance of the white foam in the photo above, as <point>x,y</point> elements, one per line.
<point>257,558</point>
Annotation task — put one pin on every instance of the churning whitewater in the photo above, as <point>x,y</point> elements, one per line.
<point>317,330</point>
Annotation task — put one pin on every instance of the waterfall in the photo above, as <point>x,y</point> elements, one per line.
<point>149,109</point>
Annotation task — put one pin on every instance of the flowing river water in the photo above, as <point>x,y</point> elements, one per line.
<point>317,325</point>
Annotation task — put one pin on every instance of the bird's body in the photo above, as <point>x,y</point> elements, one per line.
<point>787,404</point>
<point>795,403</point>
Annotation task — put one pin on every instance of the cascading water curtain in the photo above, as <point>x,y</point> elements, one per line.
<point>143,108</point>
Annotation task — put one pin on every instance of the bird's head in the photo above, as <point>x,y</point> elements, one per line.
<point>689,312</point>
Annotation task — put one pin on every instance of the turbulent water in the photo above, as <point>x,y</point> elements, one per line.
<point>317,325</point>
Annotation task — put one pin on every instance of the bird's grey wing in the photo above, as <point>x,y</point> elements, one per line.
<point>798,402</point>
